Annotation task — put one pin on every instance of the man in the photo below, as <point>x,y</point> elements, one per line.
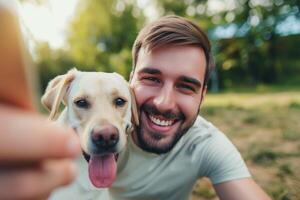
<point>173,146</point>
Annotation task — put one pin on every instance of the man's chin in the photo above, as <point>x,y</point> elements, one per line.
<point>157,140</point>
<point>151,142</point>
<point>157,147</point>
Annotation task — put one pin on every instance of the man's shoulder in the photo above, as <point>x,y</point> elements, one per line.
<point>203,127</point>
<point>205,135</point>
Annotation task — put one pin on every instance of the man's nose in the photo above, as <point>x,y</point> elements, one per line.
<point>165,99</point>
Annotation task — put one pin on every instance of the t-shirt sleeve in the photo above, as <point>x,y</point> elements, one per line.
<point>221,161</point>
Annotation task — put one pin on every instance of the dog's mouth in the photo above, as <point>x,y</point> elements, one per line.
<point>102,169</point>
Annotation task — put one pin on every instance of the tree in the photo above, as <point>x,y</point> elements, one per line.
<point>102,33</point>
<point>251,54</point>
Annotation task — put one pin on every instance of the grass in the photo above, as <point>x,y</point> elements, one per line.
<point>265,128</point>
<point>262,88</point>
<point>290,135</point>
<point>252,100</point>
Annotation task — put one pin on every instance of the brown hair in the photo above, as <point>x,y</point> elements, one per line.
<point>173,30</point>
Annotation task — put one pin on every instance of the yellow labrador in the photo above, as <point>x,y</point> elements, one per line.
<point>101,109</point>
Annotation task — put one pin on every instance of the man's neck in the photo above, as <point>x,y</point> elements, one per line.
<point>135,139</point>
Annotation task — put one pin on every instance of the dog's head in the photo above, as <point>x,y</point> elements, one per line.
<point>101,108</point>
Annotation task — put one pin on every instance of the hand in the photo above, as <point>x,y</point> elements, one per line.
<point>35,155</point>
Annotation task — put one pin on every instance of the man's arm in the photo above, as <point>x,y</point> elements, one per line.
<point>245,189</point>
<point>36,155</point>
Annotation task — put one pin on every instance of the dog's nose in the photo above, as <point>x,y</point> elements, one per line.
<point>105,137</point>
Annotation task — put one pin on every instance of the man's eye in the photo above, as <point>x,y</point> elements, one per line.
<point>119,102</point>
<point>82,103</point>
<point>153,79</point>
<point>186,87</point>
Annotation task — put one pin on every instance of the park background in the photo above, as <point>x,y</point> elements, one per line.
<point>254,91</point>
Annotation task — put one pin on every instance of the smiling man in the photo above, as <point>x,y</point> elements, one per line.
<point>173,146</point>
<point>169,87</point>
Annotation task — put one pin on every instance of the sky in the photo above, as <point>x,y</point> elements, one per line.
<point>47,22</point>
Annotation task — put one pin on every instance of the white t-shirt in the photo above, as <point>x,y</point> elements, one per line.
<point>203,151</point>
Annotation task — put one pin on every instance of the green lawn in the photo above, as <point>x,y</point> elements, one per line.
<point>265,127</point>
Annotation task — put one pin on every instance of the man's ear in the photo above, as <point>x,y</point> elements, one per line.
<point>134,109</point>
<point>203,93</point>
<point>131,76</point>
<point>55,92</point>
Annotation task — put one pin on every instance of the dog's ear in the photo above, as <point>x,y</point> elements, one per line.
<point>134,109</point>
<point>55,92</point>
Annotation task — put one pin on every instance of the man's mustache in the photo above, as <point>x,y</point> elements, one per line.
<point>168,114</point>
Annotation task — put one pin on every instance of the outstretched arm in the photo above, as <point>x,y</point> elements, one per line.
<point>245,189</point>
<point>35,155</point>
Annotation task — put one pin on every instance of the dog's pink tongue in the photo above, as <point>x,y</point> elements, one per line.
<point>102,170</point>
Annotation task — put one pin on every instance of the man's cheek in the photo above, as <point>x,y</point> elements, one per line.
<point>141,95</point>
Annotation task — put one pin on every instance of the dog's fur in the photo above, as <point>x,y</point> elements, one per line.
<point>97,112</point>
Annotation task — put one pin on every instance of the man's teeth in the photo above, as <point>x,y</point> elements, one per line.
<point>160,122</point>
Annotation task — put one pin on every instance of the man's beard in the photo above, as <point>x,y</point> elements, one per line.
<point>151,145</point>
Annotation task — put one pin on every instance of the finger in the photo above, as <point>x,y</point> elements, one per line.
<point>43,197</point>
<point>15,88</point>
<point>29,136</point>
<point>35,183</point>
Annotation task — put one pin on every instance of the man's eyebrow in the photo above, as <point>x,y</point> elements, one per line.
<point>191,80</point>
<point>148,70</point>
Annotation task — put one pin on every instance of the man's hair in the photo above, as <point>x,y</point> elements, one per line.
<point>173,30</point>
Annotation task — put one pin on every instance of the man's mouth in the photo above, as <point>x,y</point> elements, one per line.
<point>161,122</point>
<point>102,169</point>
<point>159,119</point>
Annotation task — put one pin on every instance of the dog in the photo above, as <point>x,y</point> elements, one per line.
<point>101,108</point>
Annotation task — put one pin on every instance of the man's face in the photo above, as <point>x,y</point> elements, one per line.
<point>168,84</point>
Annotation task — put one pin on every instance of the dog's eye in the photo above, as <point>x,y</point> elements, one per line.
<point>82,103</point>
<point>120,102</point>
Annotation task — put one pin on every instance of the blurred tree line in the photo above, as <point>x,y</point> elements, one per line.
<point>249,38</point>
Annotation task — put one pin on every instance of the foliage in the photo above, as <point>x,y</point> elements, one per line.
<point>253,54</point>
<point>99,38</point>
<point>102,33</point>
<point>51,63</point>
